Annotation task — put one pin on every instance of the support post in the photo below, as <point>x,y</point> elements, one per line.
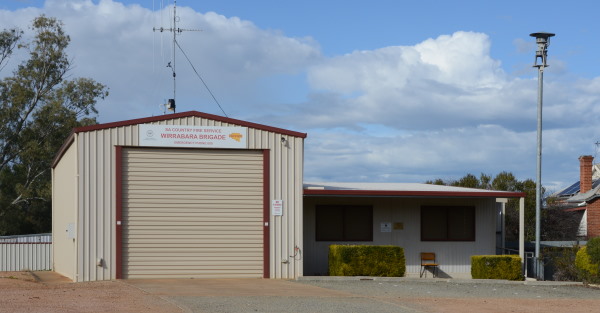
<point>522,233</point>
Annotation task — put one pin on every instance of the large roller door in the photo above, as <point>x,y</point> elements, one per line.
<point>192,213</point>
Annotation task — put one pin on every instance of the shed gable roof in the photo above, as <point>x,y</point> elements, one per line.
<point>189,114</point>
<point>166,117</point>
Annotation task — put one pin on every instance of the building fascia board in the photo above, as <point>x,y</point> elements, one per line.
<point>413,193</point>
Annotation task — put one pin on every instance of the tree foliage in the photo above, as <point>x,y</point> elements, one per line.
<point>556,224</point>
<point>38,109</point>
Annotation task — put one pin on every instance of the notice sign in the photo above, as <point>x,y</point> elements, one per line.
<point>193,136</point>
<point>277,207</point>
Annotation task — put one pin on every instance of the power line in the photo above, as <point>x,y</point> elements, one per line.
<point>202,80</point>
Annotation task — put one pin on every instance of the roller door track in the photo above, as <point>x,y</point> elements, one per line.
<point>192,213</point>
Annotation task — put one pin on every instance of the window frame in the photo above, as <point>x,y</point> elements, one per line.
<point>447,210</point>
<point>344,222</point>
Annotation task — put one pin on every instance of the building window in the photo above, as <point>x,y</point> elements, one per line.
<point>344,223</point>
<point>447,223</point>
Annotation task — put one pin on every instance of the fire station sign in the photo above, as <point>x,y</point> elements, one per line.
<point>193,136</point>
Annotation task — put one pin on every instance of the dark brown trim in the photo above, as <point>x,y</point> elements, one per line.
<point>266,214</point>
<point>65,146</point>
<point>403,193</point>
<point>119,211</point>
<point>189,114</point>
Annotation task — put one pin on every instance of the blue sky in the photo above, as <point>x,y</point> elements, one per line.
<point>398,91</point>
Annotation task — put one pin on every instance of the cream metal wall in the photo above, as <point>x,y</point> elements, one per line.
<point>454,257</point>
<point>96,234</point>
<point>64,213</point>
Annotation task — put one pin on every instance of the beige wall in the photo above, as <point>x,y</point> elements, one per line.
<point>64,214</point>
<point>97,195</point>
<point>454,257</point>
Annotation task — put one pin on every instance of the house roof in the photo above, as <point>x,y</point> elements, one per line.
<point>401,190</point>
<point>572,194</point>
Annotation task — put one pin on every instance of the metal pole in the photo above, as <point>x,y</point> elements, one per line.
<point>538,185</point>
<point>542,40</point>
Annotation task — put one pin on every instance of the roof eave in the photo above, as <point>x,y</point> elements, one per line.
<point>413,193</point>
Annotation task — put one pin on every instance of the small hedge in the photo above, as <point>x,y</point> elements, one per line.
<point>588,270</point>
<point>364,260</point>
<point>496,267</point>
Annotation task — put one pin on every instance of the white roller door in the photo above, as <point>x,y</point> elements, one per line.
<point>192,213</point>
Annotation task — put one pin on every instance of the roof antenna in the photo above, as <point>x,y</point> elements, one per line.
<point>170,105</point>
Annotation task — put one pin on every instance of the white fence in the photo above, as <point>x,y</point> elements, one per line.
<point>26,252</point>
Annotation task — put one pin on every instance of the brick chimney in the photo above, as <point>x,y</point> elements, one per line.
<point>585,173</point>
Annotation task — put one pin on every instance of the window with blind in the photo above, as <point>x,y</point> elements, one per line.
<point>447,223</point>
<point>344,223</point>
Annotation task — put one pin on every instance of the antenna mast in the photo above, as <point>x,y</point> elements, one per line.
<point>170,105</point>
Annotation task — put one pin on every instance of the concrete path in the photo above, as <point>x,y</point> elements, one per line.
<point>230,288</point>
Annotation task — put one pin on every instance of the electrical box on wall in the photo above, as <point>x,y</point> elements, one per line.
<point>71,231</point>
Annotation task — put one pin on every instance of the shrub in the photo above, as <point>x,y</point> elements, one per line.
<point>496,267</point>
<point>588,271</point>
<point>365,260</point>
<point>593,249</point>
<point>562,261</point>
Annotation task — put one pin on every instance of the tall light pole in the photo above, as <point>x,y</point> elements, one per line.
<point>543,41</point>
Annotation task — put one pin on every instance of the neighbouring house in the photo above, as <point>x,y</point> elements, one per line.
<point>583,197</point>
<point>195,195</point>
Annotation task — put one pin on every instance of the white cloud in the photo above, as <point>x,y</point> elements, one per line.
<point>440,108</point>
<point>115,44</point>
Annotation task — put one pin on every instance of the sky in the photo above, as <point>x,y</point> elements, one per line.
<point>387,90</point>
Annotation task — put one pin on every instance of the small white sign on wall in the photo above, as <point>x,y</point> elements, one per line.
<point>386,227</point>
<point>277,207</point>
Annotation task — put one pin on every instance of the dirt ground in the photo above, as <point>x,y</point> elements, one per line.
<point>20,292</point>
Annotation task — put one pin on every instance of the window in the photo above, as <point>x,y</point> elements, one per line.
<point>344,223</point>
<point>447,223</point>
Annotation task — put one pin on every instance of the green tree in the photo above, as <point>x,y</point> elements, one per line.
<point>38,109</point>
<point>506,181</point>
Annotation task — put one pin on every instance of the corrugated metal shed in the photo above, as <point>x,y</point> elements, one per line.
<point>97,197</point>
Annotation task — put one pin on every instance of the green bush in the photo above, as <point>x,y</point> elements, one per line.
<point>364,260</point>
<point>588,270</point>
<point>496,267</point>
<point>562,261</point>
<point>593,249</point>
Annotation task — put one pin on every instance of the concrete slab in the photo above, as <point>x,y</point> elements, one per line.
<point>229,287</point>
<point>50,277</point>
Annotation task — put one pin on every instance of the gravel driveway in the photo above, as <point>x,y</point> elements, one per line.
<point>19,292</point>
